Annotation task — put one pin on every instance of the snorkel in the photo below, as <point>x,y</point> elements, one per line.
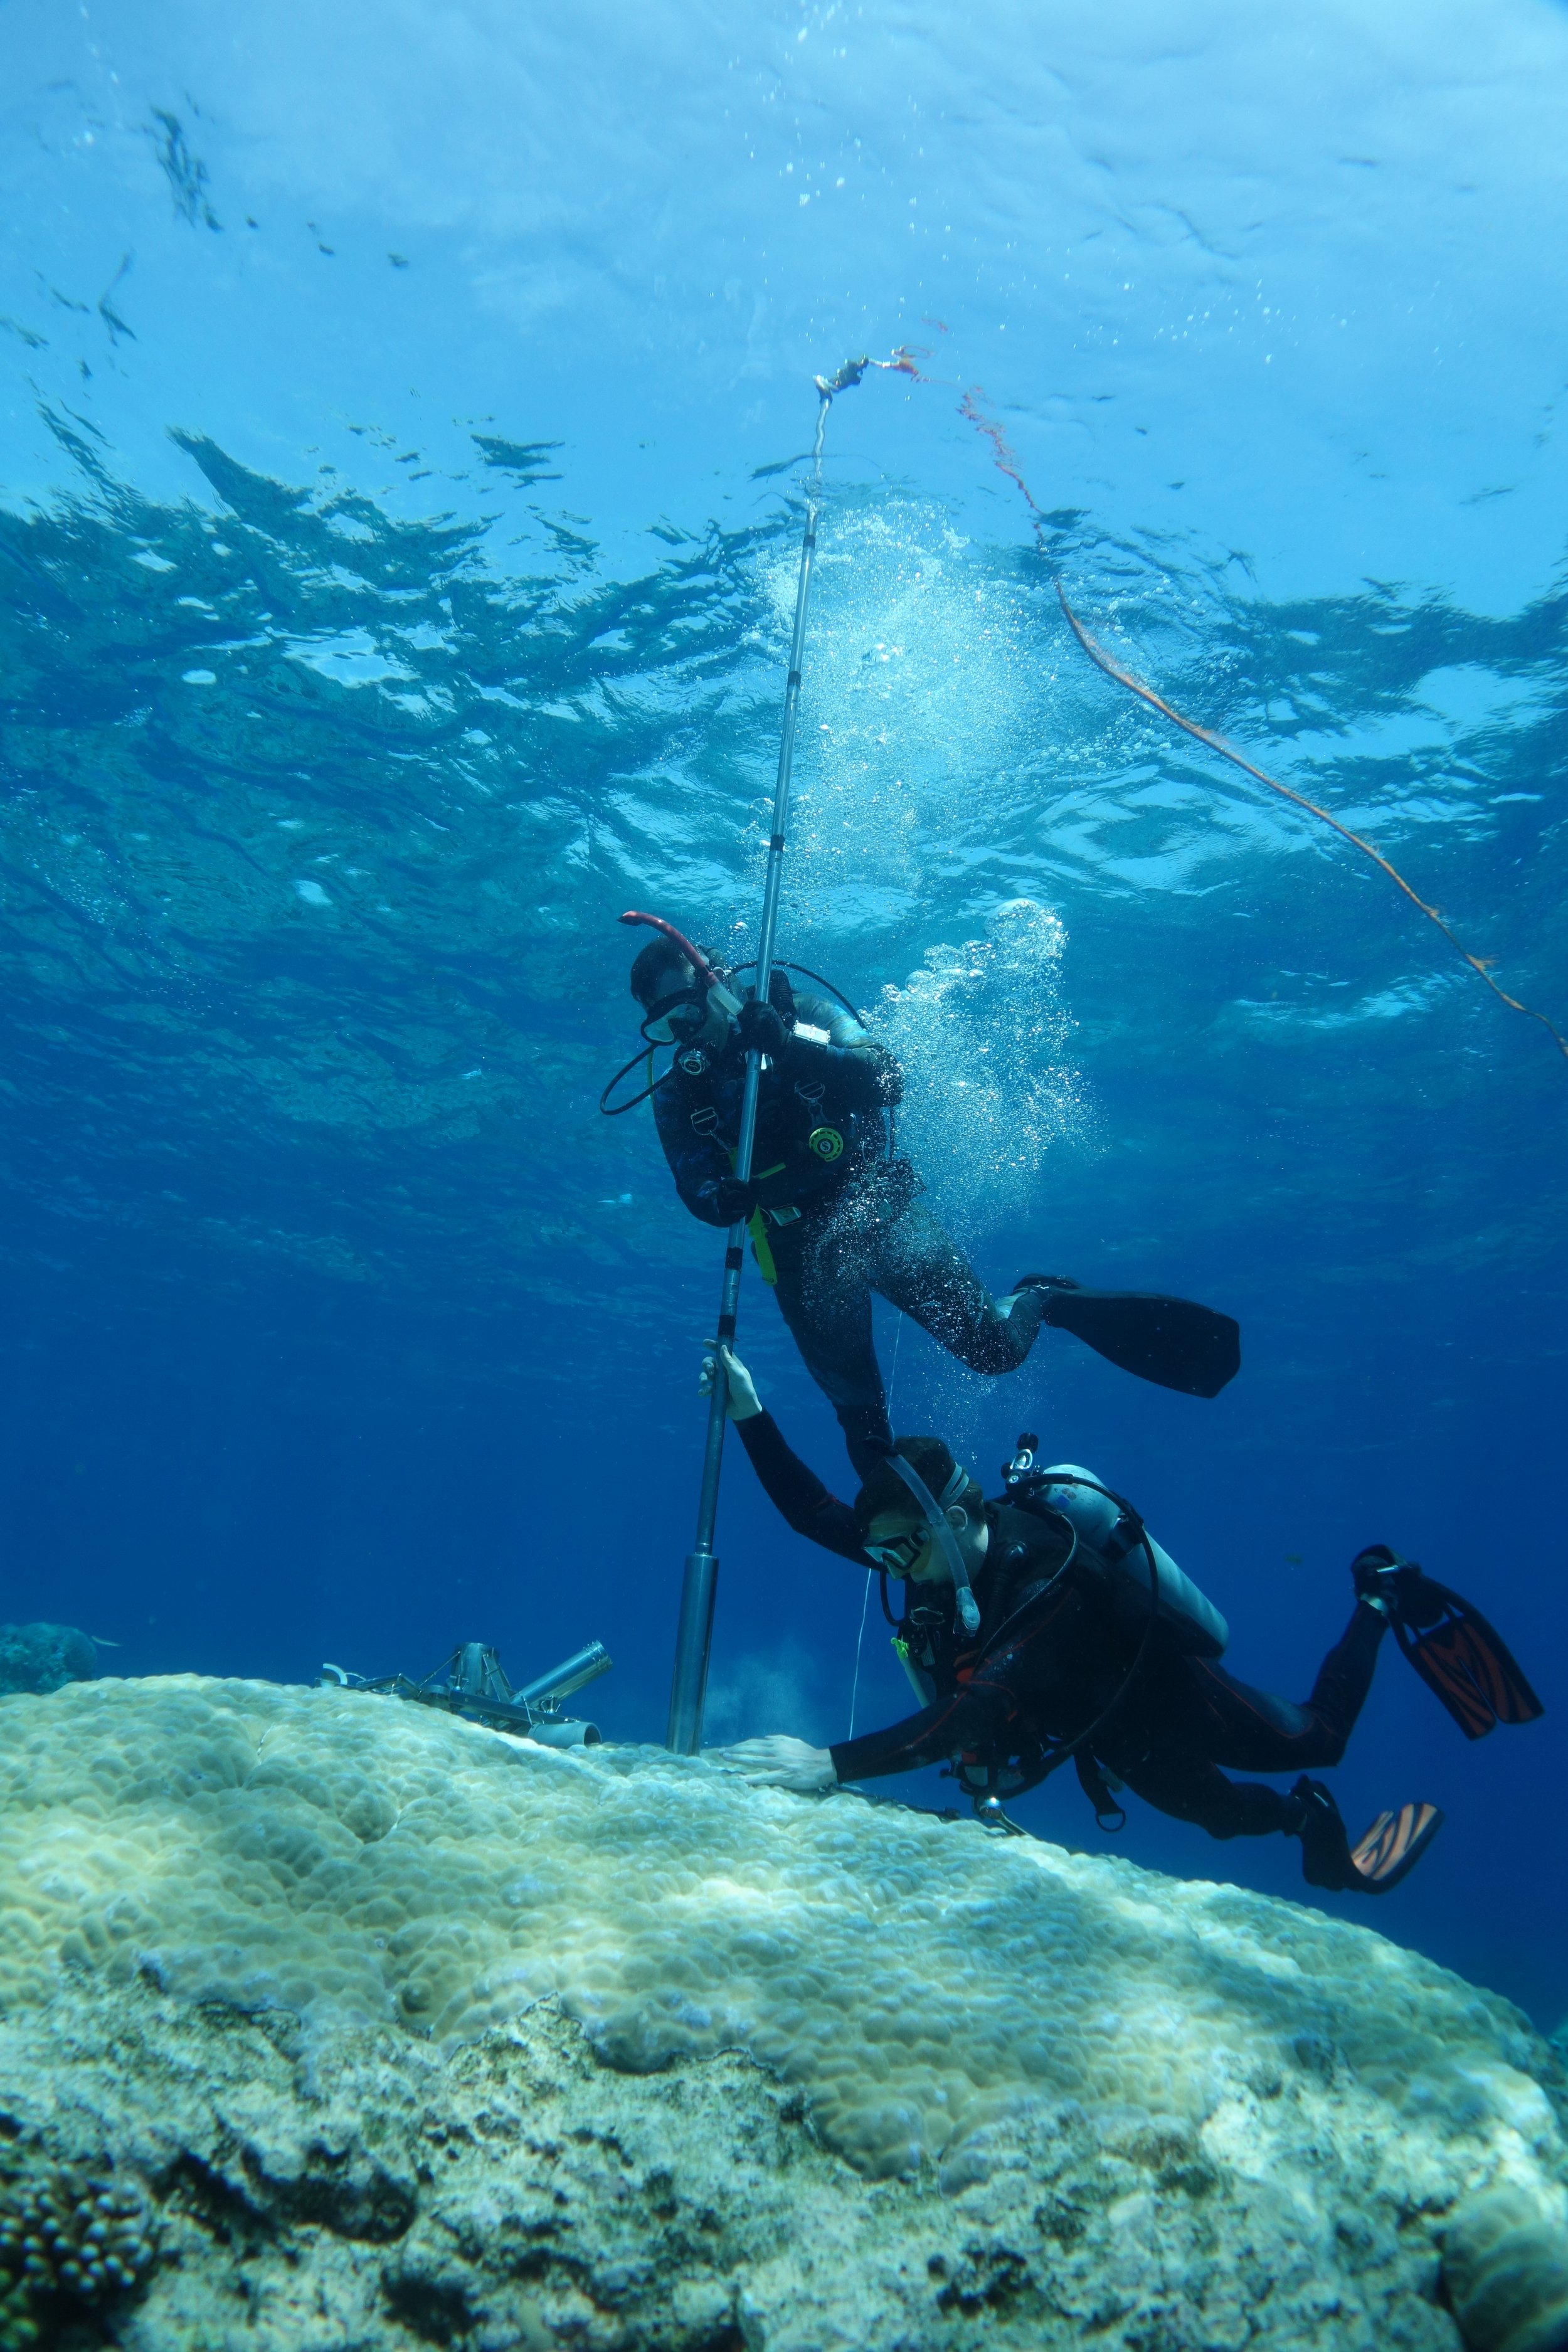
<point>715,995</point>
<point>709,1000</point>
<point>936,1517</point>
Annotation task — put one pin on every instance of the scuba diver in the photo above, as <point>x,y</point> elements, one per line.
<point>833,1210</point>
<point>1049,1625</point>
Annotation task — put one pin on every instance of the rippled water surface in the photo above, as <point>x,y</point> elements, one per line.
<point>400,490</point>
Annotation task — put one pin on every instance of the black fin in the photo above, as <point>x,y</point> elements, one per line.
<point>1172,1341</point>
<point>1325,1847</point>
<point>1466,1661</point>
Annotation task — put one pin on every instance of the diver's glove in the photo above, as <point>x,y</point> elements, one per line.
<point>741,1402</point>
<point>735,1201</point>
<point>762,1029</point>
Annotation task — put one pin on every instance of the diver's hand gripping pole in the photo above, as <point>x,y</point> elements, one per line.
<point>694,1633</point>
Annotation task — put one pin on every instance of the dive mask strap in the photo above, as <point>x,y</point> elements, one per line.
<point>936,1519</point>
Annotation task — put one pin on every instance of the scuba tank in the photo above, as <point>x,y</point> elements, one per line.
<point>1117,1545</point>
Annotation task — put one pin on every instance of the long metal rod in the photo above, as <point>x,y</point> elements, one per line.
<point>694,1633</point>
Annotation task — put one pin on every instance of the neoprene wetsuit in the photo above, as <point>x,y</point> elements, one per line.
<point>838,1216</point>
<point>1050,1656</point>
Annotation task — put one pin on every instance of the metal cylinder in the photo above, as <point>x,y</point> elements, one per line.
<point>693,1639</point>
<point>582,1666</point>
<point>566,1735</point>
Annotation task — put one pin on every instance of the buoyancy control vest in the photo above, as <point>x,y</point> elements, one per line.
<point>1027,1552</point>
<point>819,1123</point>
<point>1100,1560</point>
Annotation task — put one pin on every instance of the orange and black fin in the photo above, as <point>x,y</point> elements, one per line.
<point>1466,1661</point>
<point>1393,1845</point>
<point>1389,1851</point>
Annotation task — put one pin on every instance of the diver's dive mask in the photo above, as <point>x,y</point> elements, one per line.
<point>936,1509</point>
<point>900,1556</point>
<point>681,1016</point>
<point>675,1019</point>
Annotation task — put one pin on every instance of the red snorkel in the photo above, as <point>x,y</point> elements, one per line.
<point>694,956</point>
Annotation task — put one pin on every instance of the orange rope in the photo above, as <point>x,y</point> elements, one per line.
<point>1007,463</point>
<point>1102,660</point>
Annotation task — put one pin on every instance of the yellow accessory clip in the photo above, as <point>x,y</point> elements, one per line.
<point>762,1248</point>
<point>757,1226</point>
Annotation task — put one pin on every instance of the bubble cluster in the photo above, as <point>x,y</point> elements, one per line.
<point>928,708</point>
<point>985,1042</point>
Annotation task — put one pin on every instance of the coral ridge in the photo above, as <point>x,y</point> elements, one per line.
<point>349,2023</point>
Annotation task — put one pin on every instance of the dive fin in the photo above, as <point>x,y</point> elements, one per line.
<point>1389,1851</point>
<point>1172,1341</point>
<point>1466,1661</point>
<point>1393,1845</point>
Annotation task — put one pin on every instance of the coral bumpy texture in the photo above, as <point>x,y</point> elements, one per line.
<point>327,2019</point>
<point>66,2240</point>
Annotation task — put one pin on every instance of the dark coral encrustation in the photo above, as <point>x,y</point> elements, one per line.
<point>66,2240</point>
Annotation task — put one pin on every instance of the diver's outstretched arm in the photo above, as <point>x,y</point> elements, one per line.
<point>964,1720</point>
<point>970,1718</point>
<point>796,1493</point>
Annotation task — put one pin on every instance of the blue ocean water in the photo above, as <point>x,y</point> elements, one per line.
<point>399,497</point>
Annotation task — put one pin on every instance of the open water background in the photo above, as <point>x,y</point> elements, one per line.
<point>398,425</point>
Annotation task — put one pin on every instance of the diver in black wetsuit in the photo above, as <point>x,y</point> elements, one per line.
<point>1029,1634</point>
<point>834,1212</point>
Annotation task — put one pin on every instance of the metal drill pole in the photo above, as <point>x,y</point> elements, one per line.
<point>694,1633</point>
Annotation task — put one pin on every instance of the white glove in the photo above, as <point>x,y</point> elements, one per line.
<point>780,1762</point>
<point>741,1402</point>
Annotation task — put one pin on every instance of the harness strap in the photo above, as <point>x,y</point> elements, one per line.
<point>1099,1788</point>
<point>1079,1750</point>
